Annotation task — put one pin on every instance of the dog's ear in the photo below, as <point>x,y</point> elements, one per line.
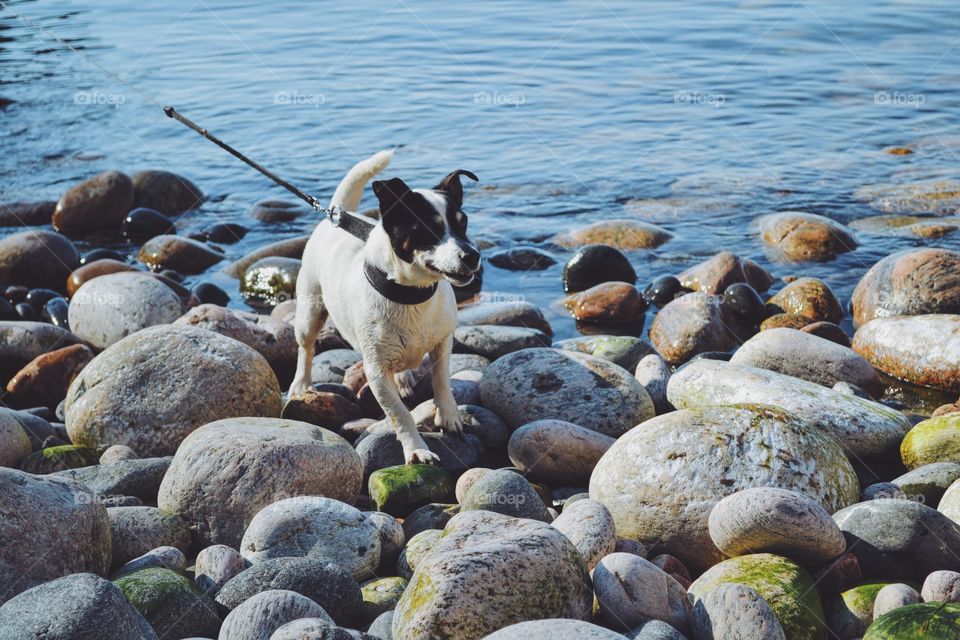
<point>451,187</point>
<point>390,193</point>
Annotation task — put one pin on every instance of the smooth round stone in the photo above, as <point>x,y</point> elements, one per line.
<point>261,615</point>
<point>928,620</point>
<point>535,384</point>
<point>381,628</point>
<point>56,312</point>
<point>932,440</point>
<point>167,192</point>
<point>52,527</point>
<point>278,211</point>
<point>514,313</point>
<point>73,607</point>
<point>922,349</point>
<point>556,629</point>
<point>93,270</point>
<point>787,588</point>
<point>38,298</point>
<point>171,603</point>
<point>625,351</point>
<point>894,596</point>
<point>329,586</point>
<point>392,537</point>
<point>804,237</point>
<point>940,586</point>
<point>322,408</point>
<point>489,571</point>
<point>37,259</point>
<point>522,259</point>
<point>280,458</point>
<point>289,248</point>
<point>331,365</point>
<point>557,452</point>
<point>58,458</point>
<point>827,331</point>
<point>139,478</point>
<point>811,298</point>
<point>142,224</point>
<point>589,526</point>
<point>381,449</point>
<point>744,302</point>
<point>608,303</point>
<point>900,538</point>
<point>27,312</point>
<point>381,595</point>
<point>311,629</point>
<point>785,320</point>
<point>690,325</point>
<point>420,545</point>
<point>162,557</point>
<point>14,442</point>
<point>631,590</point>
<point>662,290</point>
<point>624,234</point>
<point>655,630</point>
<point>909,283</point>
<point>950,502</point>
<point>315,527</point>
<point>653,373</point>
<point>26,214</point>
<point>402,489</point>
<point>735,611</point>
<point>215,566</point>
<point>101,254</point>
<point>767,519</point>
<point>137,530</point>
<point>209,293</point>
<point>594,264</point>
<point>661,480</point>
<point>715,274</point>
<point>7,310</point>
<point>851,612</point>
<point>863,427</point>
<point>109,308</point>
<point>808,357</point>
<point>505,492</point>
<point>45,379</point>
<point>97,203</point>
<point>181,254</point>
<point>270,281</point>
<point>222,233</point>
<point>467,480</point>
<point>493,341</point>
<point>200,376</point>
<point>880,491</point>
<point>927,483</point>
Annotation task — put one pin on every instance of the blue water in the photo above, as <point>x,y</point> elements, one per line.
<point>695,116</point>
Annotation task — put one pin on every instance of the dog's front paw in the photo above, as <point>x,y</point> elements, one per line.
<point>298,389</point>
<point>422,456</point>
<point>405,380</point>
<point>449,421</point>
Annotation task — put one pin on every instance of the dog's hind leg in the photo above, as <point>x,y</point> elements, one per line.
<point>385,390</point>
<point>311,314</point>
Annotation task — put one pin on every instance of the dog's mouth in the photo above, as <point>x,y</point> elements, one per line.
<point>460,278</point>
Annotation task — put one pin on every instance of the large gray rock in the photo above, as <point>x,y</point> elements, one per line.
<point>631,590</point>
<point>75,607</point>
<point>215,566</point>
<point>137,530</point>
<point>51,527</point>
<point>109,308</point>
<point>555,629</point>
<point>151,389</point>
<point>735,611</point>
<point>492,340</point>
<point>661,479</point>
<point>927,483</point>
<point>227,471</point>
<point>655,630</point>
<point>316,527</point>
<point>808,357</point>
<point>261,615</point>
<point>536,384</point>
<point>557,452</point>
<point>489,571</point>
<point>863,428</point>
<point>140,478</point>
<point>504,491</point>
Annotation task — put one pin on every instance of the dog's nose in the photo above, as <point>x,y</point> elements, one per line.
<point>471,257</point>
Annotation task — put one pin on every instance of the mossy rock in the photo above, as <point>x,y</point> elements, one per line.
<point>418,547</point>
<point>60,458</point>
<point>784,584</point>
<point>172,604</point>
<point>270,281</point>
<point>625,351</point>
<point>402,489</point>
<point>851,612</point>
<point>933,440</point>
<point>926,620</point>
<point>381,595</point>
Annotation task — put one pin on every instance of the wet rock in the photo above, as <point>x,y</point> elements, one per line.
<point>260,616</point>
<point>631,590</point>
<point>14,442</point>
<point>785,321</point>
<point>514,314</point>
<point>93,270</point>
<point>690,325</point>
<point>215,566</point>
<point>589,526</point>
<point>492,341</point>
<point>907,283</point>
<point>281,458</point>
<point>52,527</point>
<point>744,303</point>
<point>894,596</point>
<point>798,236</point>
<point>932,440</point>
<point>625,351</point>
<point>595,264</point>
<point>621,234</point>
<point>555,451</point>
<point>37,259</point>
<point>771,520</point>
<point>56,311</point>
<point>142,224</point>
<point>661,480</point>
<point>137,530</point>
<point>906,226</point>
<point>827,331</point>
<point>26,214</point>
<point>270,281</point>
<point>171,603</point>
<point>653,373</point>
<point>808,357</point>
<point>522,259</point>
<point>927,483</point>
<point>940,197</point>
<point>489,571</point>
<point>222,233</point>
<point>322,408</point>
<point>922,349</point>
<point>785,586</point>
<point>939,586</point>
<point>662,290</point>
<point>73,607</point>
<point>535,384</point>
<point>735,611</point>
<point>811,298</point>
<point>278,211</point>
<point>609,303</point>
<point>59,458</point>
<point>714,275</point>
<point>140,478</point>
<point>506,492</point>
<point>862,427</point>
<point>209,293</point>
<point>165,192</point>
<point>289,248</point>
<point>330,366</point>
<point>181,254</point>
<point>401,489</point>
<point>98,203</point>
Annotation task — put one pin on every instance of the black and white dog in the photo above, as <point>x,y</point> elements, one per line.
<point>391,298</point>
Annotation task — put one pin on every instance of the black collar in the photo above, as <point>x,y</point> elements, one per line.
<point>391,290</point>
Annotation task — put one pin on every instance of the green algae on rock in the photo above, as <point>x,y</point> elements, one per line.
<point>922,621</point>
<point>171,603</point>
<point>401,489</point>
<point>933,440</point>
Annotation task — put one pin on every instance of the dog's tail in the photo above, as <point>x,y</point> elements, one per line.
<point>351,187</point>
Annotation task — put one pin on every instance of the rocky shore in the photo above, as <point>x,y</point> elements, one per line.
<point>743,467</point>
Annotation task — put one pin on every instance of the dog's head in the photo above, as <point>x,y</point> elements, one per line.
<point>428,229</point>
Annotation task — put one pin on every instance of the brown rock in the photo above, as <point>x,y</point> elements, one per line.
<point>616,303</point>
<point>322,408</point>
<point>93,270</point>
<point>37,259</point>
<point>722,270</point>
<point>674,568</point>
<point>98,203</point>
<point>805,236</point>
<point>165,192</point>
<point>827,331</point>
<point>181,254</point>
<point>622,234</point>
<point>809,297</point>
<point>44,381</point>
<point>689,325</point>
<point>839,575</point>
<point>26,214</point>
<point>289,248</point>
<point>910,282</point>
<point>789,320</point>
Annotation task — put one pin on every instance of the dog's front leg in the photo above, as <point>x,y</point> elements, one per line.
<point>385,390</point>
<point>448,416</point>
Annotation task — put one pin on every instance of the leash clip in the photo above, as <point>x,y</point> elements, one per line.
<point>335,213</point>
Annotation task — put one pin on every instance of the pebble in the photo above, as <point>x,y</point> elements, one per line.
<point>142,224</point>
<point>535,384</point>
<point>631,590</point>
<point>270,211</point>
<point>401,489</point>
<point>100,202</point>
<point>922,349</point>
<point>939,586</point>
<point>809,297</point>
<point>932,440</point>
<point>950,502</point>
<point>880,491</point>
<point>555,451</point>
<point>715,274</point>
<point>215,566</point>
<point>56,311</point>
<point>624,351</point>
<point>799,237</point>
<point>208,293</point>
<point>938,197</point>
<point>102,253</point>
<point>467,479</point>
<point>554,629</point>
<point>505,492</point>
<point>201,376</point>
<point>661,480</point>
<point>493,341</point>
<point>15,444</point>
<point>26,214</point>
<point>181,254</point>
<point>742,300</point>
<point>140,478</point>
<point>37,259</point>
<point>608,303</point>
<point>894,596</point>
<point>589,526</point>
<point>92,270</point>
<point>270,281</point>
<point>515,313</point>
<point>167,192</point>
<point>735,611</point>
<point>288,248</point>
<point>137,530</point>
<point>624,234</point>
<point>653,373</point>
<point>381,628</point>
<point>690,325</point>
<point>222,233</point>
<point>261,615</point>
<point>771,520</point>
<point>489,571</point>
<point>595,264</point>
<point>419,546</point>
<point>522,259</point>
<point>662,290</point>
<point>281,458</point>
